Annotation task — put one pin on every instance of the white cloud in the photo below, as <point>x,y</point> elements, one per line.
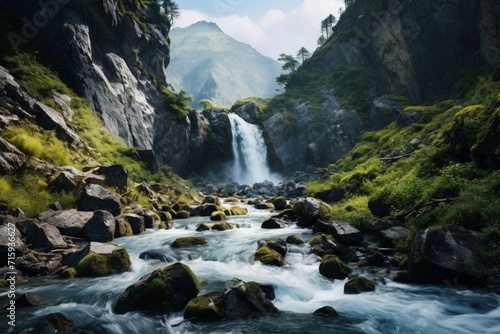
<point>276,31</point>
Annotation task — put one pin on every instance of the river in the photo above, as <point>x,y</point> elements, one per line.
<point>299,289</point>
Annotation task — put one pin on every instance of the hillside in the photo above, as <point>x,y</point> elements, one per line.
<point>208,64</point>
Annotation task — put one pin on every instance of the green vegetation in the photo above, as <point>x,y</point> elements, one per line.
<point>442,181</point>
<point>98,265</point>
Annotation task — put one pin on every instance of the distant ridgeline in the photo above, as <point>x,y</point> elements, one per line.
<point>208,64</point>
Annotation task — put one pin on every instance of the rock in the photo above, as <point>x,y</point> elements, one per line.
<point>35,263</point>
<point>294,240</point>
<point>104,260</point>
<point>65,181</point>
<point>74,255</point>
<point>136,223</point>
<point>393,235</point>
<point>204,210</point>
<point>183,214</point>
<point>95,197</point>
<point>344,233</point>
<point>152,255</point>
<point>238,211</point>
<point>123,228</point>
<point>44,237</point>
<point>377,226</point>
<point>150,217</point>
<point>332,267</point>
<point>376,259</point>
<point>309,210</point>
<point>273,223</point>
<point>189,242</point>
<point>248,300</point>
<point>334,195</point>
<point>279,202</point>
<point>271,252</point>
<point>222,226</point>
<point>384,111</point>
<point>8,231</point>
<point>168,289</point>
<point>401,277</point>
<point>56,206</point>
<point>449,255</point>
<point>68,222</point>
<point>115,176</point>
<point>326,311</point>
<point>28,300</point>
<point>264,206</point>
<point>55,323</point>
<point>208,307</point>
<point>212,200</point>
<point>101,227</point>
<point>202,228</point>
<point>218,215</point>
<point>358,284</point>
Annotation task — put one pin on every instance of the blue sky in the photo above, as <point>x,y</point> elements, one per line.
<point>272,27</point>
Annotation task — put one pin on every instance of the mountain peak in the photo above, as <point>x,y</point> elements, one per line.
<point>205,24</point>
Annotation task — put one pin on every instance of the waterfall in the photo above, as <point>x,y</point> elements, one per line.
<point>249,151</point>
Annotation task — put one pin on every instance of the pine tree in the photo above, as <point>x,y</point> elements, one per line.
<point>303,54</point>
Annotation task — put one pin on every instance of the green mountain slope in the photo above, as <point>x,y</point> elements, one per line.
<point>208,64</point>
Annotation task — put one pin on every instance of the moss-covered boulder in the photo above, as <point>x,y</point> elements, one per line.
<point>309,210</point>
<point>223,226</point>
<point>247,300</point>
<point>279,202</point>
<point>294,240</point>
<point>184,242</point>
<point>123,228</point>
<point>212,200</point>
<point>238,211</point>
<point>401,277</point>
<point>210,307</point>
<point>271,252</point>
<point>202,228</point>
<point>218,216</point>
<point>69,272</point>
<point>231,200</point>
<point>104,260</point>
<point>264,206</point>
<point>332,267</point>
<point>358,285</point>
<point>168,289</point>
<point>326,311</point>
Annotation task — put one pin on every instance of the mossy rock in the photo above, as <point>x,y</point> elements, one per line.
<point>202,228</point>
<point>212,200</point>
<point>210,307</point>
<point>332,267</point>
<point>167,289</point>
<point>104,260</point>
<point>223,226</point>
<point>3,283</point>
<point>286,214</point>
<point>318,239</point>
<point>264,206</point>
<point>189,242</point>
<point>326,311</point>
<point>69,273</point>
<point>325,211</point>
<point>294,240</point>
<point>238,211</point>
<point>269,257</point>
<point>358,285</point>
<point>231,200</point>
<point>279,202</point>
<point>218,216</point>
<point>401,277</point>
<point>363,263</point>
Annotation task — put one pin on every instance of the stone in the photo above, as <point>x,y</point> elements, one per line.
<point>184,242</point>
<point>326,311</point>
<point>136,223</point>
<point>279,202</point>
<point>202,228</point>
<point>223,226</point>
<point>64,181</point>
<point>168,289</point>
<point>115,176</point>
<point>44,237</point>
<point>393,235</point>
<point>294,240</point>
<point>6,231</point>
<point>104,260</point>
<point>449,255</point>
<point>153,255</point>
<point>344,232</point>
<point>68,222</point>
<point>123,228</point>
<point>101,227</point>
<point>376,259</point>
<point>28,299</point>
<point>96,197</point>
<point>331,266</point>
<point>55,323</point>
<point>218,216</point>
<point>74,255</point>
<point>247,300</point>
<point>271,252</point>
<point>204,210</point>
<point>358,285</point>
<point>208,307</point>
<point>273,223</point>
<point>309,210</point>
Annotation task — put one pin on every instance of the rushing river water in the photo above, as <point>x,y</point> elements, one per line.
<point>299,289</point>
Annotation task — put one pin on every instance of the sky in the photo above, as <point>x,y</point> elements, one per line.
<point>271,27</point>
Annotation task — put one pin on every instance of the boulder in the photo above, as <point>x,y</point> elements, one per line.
<point>271,252</point>
<point>344,233</point>
<point>212,200</point>
<point>28,299</point>
<point>358,284</point>
<point>218,216</point>
<point>184,242</point>
<point>279,202</point>
<point>309,210</point>
<point>55,323</point>
<point>6,233</point>
<point>44,237</point>
<point>152,255</point>
<point>96,197</point>
<point>294,240</point>
<point>238,211</point>
<point>376,259</point>
<point>73,256</point>
<point>264,206</point>
<point>123,228</point>
<point>64,180</point>
<point>449,255</point>
<point>393,235</point>
<point>331,266</point>
<point>223,226</point>
<point>115,176</point>
<point>136,223</point>
<point>326,311</point>
<point>202,228</point>
<point>247,300</point>
<point>273,223</point>
<point>204,210</point>
<point>208,307</point>
<point>168,289</point>
<point>35,263</point>
<point>68,222</point>
<point>101,227</point>
<point>104,260</point>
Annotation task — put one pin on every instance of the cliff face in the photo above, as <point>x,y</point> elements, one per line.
<point>114,52</point>
<point>418,48</point>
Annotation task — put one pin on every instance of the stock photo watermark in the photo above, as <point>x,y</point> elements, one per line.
<point>31,26</point>
<point>223,7</point>
<point>11,274</point>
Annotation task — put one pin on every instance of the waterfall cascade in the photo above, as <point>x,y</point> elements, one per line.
<point>249,151</point>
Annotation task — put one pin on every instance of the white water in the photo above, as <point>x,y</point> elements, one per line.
<point>249,151</point>
<point>299,288</point>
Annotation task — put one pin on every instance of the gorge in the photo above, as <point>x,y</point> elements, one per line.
<point>362,199</point>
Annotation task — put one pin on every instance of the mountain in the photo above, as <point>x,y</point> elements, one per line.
<point>208,64</point>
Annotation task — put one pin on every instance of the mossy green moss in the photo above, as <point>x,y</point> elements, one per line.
<point>269,257</point>
<point>218,215</point>
<point>264,206</point>
<point>332,267</point>
<point>238,211</point>
<point>98,265</point>
<point>69,273</point>
<point>223,226</point>
<point>189,242</point>
<point>294,240</point>
<point>358,285</point>
<point>208,307</point>
<point>318,239</point>
<point>231,200</point>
